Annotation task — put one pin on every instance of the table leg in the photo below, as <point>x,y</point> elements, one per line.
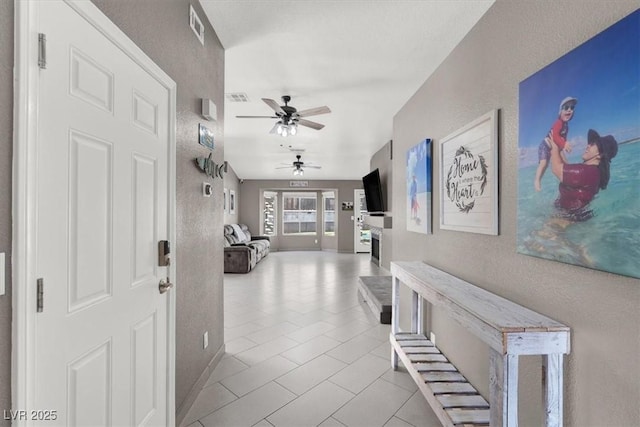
<point>395,315</point>
<point>503,379</point>
<point>552,389</point>
<point>416,314</point>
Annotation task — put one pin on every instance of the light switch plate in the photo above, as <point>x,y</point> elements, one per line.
<point>2,273</point>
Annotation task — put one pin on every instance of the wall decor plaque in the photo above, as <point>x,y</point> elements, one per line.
<point>469,177</point>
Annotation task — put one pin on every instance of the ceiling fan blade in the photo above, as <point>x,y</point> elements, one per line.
<point>313,111</point>
<point>310,124</point>
<point>283,167</point>
<point>273,104</point>
<point>313,167</point>
<point>257,117</point>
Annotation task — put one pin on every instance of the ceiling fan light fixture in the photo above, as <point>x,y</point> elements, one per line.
<point>289,117</point>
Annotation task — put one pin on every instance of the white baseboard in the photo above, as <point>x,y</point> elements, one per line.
<point>183,410</point>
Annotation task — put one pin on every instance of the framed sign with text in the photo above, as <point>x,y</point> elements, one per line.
<point>469,177</point>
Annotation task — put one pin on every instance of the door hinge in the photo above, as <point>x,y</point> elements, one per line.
<point>42,51</point>
<point>40,296</point>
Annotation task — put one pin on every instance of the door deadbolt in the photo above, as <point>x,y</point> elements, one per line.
<point>164,253</point>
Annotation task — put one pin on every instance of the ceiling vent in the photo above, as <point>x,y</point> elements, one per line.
<point>293,149</point>
<point>237,97</point>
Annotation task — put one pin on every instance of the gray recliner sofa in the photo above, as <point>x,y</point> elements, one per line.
<point>242,251</point>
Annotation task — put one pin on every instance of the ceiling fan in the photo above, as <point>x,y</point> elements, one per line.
<point>289,117</point>
<point>298,166</point>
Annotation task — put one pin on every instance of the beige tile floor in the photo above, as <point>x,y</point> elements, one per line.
<point>302,350</point>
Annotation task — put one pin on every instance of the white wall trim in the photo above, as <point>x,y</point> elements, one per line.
<point>185,407</point>
<point>23,199</point>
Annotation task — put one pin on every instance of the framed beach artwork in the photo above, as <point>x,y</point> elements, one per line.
<point>579,155</point>
<point>419,183</point>
<point>469,177</point>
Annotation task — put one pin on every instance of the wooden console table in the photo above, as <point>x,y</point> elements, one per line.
<point>509,329</point>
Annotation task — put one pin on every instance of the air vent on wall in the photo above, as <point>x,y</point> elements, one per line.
<point>237,97</point>
<point>196,24</point>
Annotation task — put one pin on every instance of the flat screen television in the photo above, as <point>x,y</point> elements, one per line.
<point>373,193</point>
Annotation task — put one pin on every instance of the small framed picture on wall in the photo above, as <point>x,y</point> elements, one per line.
<point>232,202</point>
<point>226,200</point>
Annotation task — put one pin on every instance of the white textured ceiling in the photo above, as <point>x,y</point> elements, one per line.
<point>362,59</point>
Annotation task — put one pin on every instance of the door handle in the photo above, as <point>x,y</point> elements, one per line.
<point>163,286</point>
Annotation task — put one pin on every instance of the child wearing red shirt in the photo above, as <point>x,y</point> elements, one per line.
<point>558,134</point>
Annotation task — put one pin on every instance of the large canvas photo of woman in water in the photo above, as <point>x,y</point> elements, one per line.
<point>579,155</point>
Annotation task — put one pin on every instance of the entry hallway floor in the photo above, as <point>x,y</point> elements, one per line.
<point>303,350</point>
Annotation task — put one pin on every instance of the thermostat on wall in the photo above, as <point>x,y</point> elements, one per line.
<point>207,189</point>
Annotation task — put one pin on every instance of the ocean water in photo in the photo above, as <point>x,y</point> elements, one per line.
<point>608,241</point>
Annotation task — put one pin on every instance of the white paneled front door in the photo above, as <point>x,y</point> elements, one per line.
<point>102,202</point>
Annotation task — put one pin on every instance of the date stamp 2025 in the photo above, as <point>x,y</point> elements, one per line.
<point>32,415</point>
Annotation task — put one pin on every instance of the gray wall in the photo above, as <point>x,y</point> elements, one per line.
<point>512,41</point>
<point>6,150</point>
<point>250,213</point>
<point>160,29</point>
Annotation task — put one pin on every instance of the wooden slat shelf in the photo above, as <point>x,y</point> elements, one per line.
<point>469,416</point>
<point>432,367</point>
<point>440,382</point>
<point>429,358</point>
<point>463,401</point>
<point>509,329</point>
<point>419,350</point>
<point>435,377</point>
